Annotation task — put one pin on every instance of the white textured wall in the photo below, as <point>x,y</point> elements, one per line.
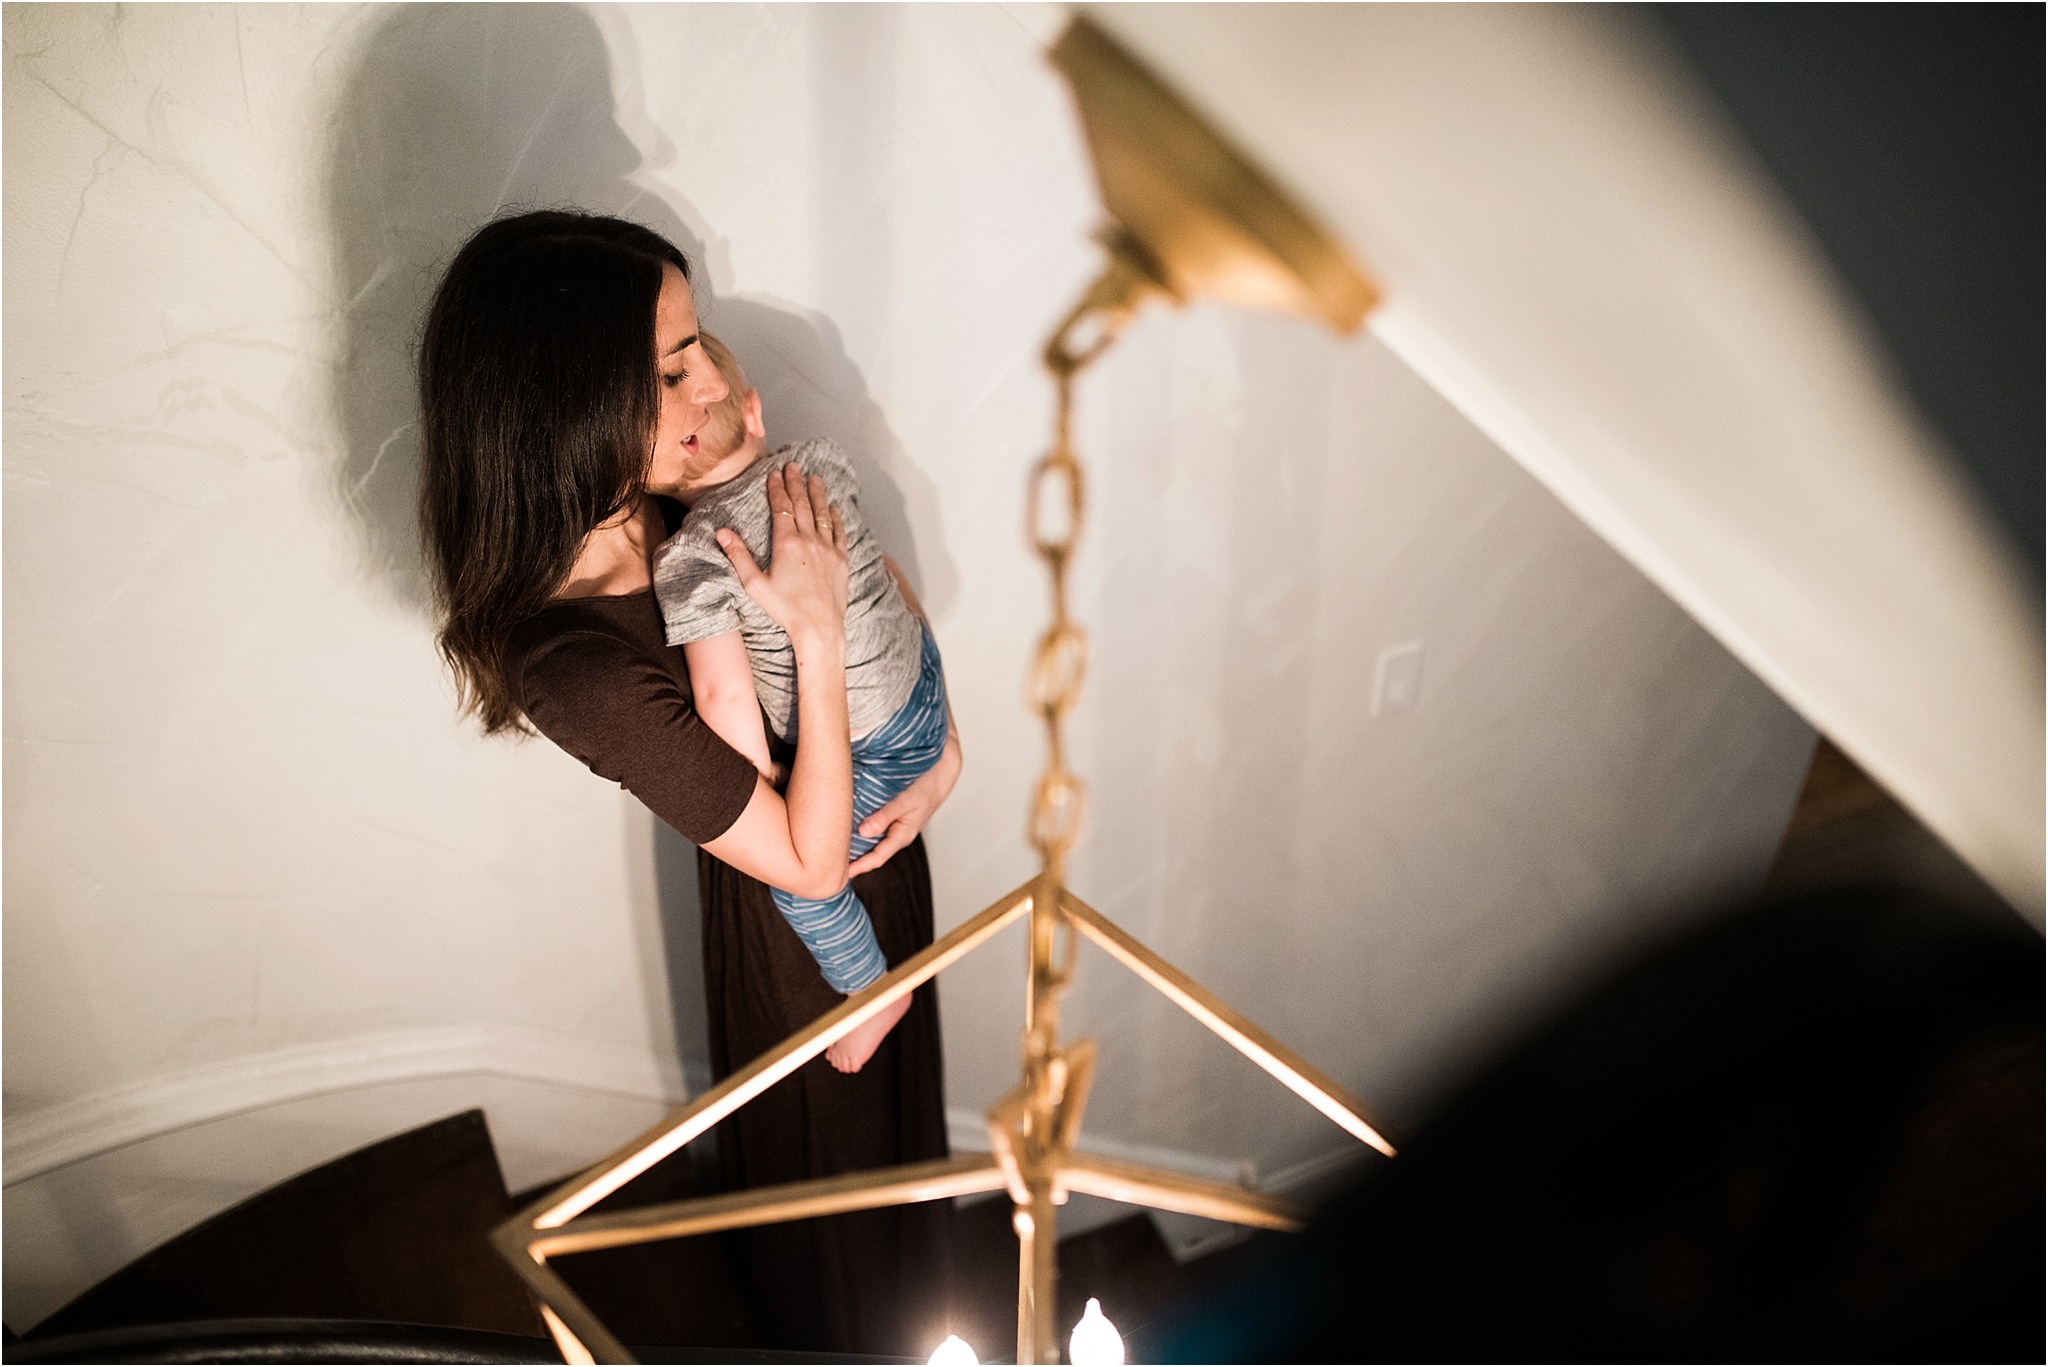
<point>251,854</point>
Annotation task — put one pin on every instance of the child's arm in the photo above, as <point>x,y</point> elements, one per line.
<point>723,683</point>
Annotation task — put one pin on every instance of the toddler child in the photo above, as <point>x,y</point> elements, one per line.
<point>743,669</point>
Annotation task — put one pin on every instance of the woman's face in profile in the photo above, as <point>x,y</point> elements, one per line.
<point>689,383</point>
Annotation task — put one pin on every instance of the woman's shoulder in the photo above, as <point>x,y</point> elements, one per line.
<point>595,676</point>
<point>606,614</point>
<point>569,637</point>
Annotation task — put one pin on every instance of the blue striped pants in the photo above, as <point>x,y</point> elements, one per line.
<point>886,760</point>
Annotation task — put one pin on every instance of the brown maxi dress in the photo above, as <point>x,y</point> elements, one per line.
<point>595,676</point>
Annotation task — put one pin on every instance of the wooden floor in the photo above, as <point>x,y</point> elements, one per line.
<point>396,1232</point>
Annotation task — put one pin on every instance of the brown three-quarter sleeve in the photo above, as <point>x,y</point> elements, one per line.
<point>595,681</point>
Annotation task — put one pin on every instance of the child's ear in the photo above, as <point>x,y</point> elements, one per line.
<point>755,427</point>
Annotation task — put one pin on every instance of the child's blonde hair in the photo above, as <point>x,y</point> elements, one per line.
<point>725,422</point>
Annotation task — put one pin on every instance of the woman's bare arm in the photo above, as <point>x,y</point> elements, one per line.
<point>799,842</point>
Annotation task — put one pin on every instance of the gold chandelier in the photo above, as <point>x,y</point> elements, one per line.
<point>1191,218</point>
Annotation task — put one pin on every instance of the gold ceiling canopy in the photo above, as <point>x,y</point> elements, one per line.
<point>1213,224</point>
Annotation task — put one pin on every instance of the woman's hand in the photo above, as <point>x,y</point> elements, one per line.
<point>804,587</point>
<point>798,840</point>
<point>904,815</point>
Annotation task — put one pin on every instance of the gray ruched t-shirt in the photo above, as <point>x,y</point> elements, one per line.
<point>701,596</point>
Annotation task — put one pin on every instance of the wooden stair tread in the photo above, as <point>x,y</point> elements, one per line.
<point>394,1231</point>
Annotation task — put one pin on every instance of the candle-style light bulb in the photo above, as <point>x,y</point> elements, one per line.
<point>954,1352</point>
<point>1095,1343</point>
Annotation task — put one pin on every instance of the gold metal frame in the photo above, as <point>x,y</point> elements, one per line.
<point>1193,217</point>
<point>1038,1169</point>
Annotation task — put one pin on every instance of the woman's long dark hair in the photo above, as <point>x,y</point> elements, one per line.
<point>538,404</point>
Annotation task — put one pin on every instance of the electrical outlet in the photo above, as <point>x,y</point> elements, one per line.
<point>1398,680</point>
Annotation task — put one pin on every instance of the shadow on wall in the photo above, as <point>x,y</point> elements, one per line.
<point>452,115</point>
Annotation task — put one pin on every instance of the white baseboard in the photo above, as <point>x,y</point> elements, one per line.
<point>1186,1236</point>
<point>71,1130</point>
<point>1316,1180</point>
<point>967,1132</point>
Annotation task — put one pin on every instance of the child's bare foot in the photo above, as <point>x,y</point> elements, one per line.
<point>853,1050</point>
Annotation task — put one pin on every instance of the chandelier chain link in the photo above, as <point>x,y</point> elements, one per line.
<point>1054,513</point>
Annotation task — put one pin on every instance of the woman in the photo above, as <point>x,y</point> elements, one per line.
<point>562,386</point>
